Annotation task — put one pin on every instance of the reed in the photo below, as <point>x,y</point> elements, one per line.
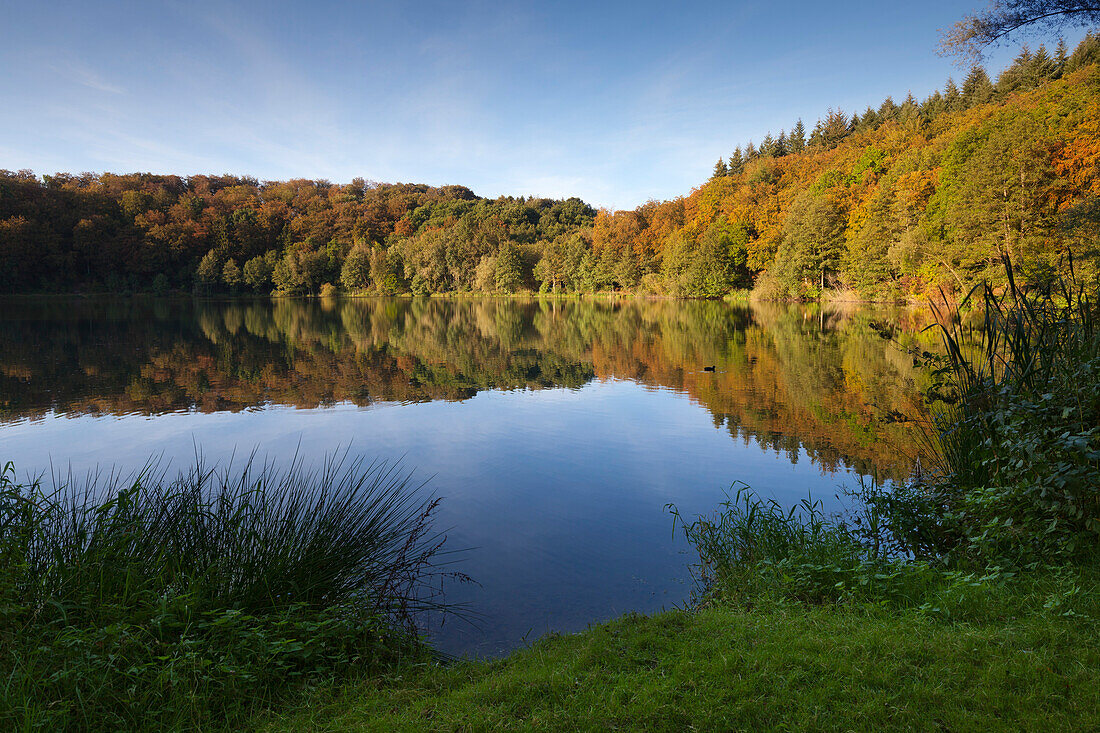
<point>1016,428</point>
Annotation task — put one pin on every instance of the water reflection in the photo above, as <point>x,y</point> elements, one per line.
<point>556,431</point>
<point>788,378</point>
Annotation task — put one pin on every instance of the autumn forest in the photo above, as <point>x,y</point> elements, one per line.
<point>894,202</point>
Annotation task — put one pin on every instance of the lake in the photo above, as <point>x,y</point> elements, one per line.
<point>556,431</point>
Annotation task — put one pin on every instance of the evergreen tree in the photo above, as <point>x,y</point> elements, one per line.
<point>750,152</point>
<point>796,141</point>
<point>720,170</point>
<point>767,146</point>
<point>952,97</point>
<point>813,243</point>
<point>782,146</point>
<point>888,110</point>
<point>1043,67</point>
<point>1087,52</point>
<point>1017,77</point>
<point>868,121</point>
<point>737,162</point>
<point>817,136</point>
<point>835,127</point>
<point>977,88</point>
<point>1061,56</point>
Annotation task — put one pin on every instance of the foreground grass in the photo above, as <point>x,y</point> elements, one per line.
<point>775,667</point>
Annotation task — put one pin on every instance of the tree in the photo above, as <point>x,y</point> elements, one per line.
<point>355,274</point>
<point>737,162</point>
<point>767,146</point>
<point>207,273</point>
<point>796,141</point>
<point>971,37</point>
<point>720,170</point>
<point>257,271</point>
<point>813,241</point>
<point>977,88</point>
<point>507,274</point>
<point>231,274</point>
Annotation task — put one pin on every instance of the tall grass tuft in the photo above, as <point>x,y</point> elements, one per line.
<point>130,602</point>
<point>752,547</point>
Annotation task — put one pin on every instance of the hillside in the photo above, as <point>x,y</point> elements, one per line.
<point>898,201</point>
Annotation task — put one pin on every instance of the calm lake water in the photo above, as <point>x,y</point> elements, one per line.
<point>556,431</point>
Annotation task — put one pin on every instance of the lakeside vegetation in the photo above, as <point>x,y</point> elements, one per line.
<point>131,603</point>
<point>897,201</point>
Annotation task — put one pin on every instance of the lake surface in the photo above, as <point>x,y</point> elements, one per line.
<point>556,431</point>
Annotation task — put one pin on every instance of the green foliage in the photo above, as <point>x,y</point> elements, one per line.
<point>507,275</point>
<point>813,244</point>
<point>150,602</point>
<point>932,193</point>
<point>1018,436</point>
<point>231,274</point>
<point>258,270</point>
<point>355,274</point>
<point>208,272</point>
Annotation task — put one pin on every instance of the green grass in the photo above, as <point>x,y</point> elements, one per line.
<point>769,667</point>
<point>153,602</point>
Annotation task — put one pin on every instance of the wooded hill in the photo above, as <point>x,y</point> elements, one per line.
<point>895,201</point>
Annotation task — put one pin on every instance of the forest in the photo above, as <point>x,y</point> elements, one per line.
<point>900,201</point>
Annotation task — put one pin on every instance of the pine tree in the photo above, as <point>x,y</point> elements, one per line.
<point>1087,52</point>
<point>888,110</point>
<point>767,146</point>
<point>1061,56</point>
<point>737,162</point>
<point>835,128</point>
<point>977,88</point>
<point>720,170</point>
<point>750,152</point>
<point>1043,68</point>
<point>796,141</point>
<point>817,136</point>
<point>952,97</point>
<point>782,147</point>
<point>869,120</point>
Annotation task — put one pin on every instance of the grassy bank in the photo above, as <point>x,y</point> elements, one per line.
<point>191,602</point>
<point>773,666</point>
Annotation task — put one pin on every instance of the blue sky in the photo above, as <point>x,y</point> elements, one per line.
<point>614,102</point>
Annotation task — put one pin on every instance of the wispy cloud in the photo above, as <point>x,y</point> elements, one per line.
<point>80,73</point>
